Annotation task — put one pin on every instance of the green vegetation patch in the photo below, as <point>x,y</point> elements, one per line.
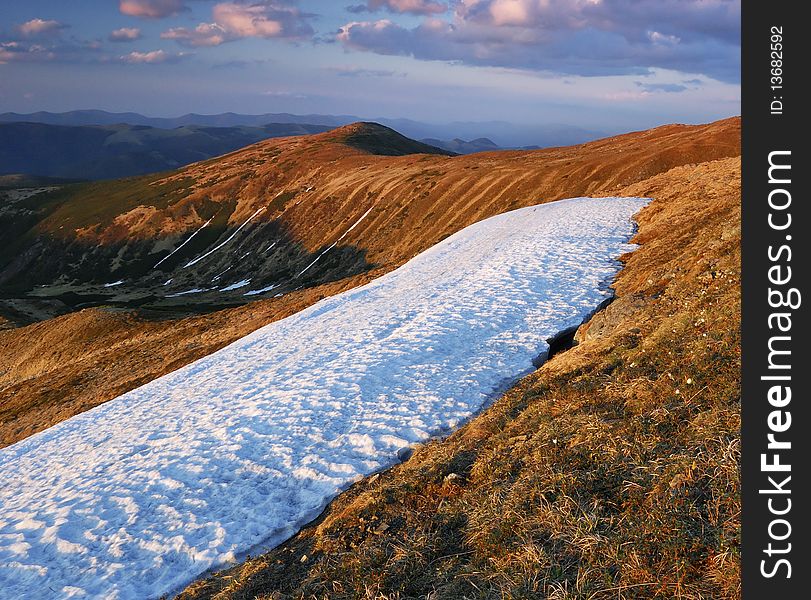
<point>85,204</point>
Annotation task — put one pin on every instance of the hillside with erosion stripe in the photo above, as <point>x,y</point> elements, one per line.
<point>293,213</point>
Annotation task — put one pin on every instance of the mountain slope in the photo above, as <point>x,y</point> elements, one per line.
<point>334,205</point>
<point>244,446</point>
<point>613,471</point>
<point>463,147</point>
<point>101,117</point>
<point>509,134</point>
<point>107,152</point>
<point>63,366</point>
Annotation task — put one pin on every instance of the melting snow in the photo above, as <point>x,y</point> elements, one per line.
<point>183,244</point>
<point>238,450</point>
<point>335,243</point>
<point>236,286</point>
<point>231,237</point>
<point>114,283</point>
<point>261,290</point>
<point>183,293</point>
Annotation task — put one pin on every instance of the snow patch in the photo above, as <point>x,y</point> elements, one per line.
<point>261,290</point>
<point>231,237</point>
<point>236,451</point>
<point>191,291</point>
<point>183,244</point>
<point>236,286</point>
<point>335,243</point>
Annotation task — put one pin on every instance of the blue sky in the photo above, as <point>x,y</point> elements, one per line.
<point>603,64</point>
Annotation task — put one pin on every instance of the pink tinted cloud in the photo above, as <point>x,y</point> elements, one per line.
<point>40,27</point>
<point>151,9</point>
<point>233,21</point>
<point>155,57</point>
<point>125,34</point>
<point>568,37</point>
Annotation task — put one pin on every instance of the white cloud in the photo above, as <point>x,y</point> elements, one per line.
<point>154,57</point>
<point>40,27</point>
<point>125,34</point>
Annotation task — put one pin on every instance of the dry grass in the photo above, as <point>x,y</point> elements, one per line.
<point>612,472</point>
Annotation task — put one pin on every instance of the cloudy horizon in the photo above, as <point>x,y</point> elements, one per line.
<point>603,64</point>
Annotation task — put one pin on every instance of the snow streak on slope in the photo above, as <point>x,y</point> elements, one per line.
<point>188,239</point>
<point>231,237</point>
<point>135,498</point>
<point>335,243</point>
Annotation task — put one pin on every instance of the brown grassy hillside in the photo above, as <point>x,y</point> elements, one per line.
<point>55,369</point>
<point>611,472</point>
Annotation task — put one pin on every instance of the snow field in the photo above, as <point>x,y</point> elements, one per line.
<point>240,449</point>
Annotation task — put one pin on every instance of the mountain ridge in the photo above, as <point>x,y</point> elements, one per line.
<point>122,150</point>
<point>504,133</point>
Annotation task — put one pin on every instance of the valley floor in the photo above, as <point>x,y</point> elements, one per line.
<point>137,497</point>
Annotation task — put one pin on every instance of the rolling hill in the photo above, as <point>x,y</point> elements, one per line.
<point>464,147</point>
<point>342,200</point>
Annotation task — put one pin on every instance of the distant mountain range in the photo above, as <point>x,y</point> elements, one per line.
<point>110,151</point>
<point>501,133</point>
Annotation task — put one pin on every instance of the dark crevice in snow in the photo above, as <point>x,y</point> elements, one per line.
<point>564,339</point>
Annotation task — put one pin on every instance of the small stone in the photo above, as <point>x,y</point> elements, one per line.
<point>403,454</point>
<point>452,477</point>
<point>381,528</point>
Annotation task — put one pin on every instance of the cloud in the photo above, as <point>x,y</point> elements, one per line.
<point>234,21</point>
<point>151,9</point>
<point>569,37</point>
<point>125,34</point>
<point>155,57</point>
<point>40,27</point>
<point>414,7</point>
<point>17,52</point>
<point>205,34</point>
<point>668,88</point>
<point>288,95</point>
<point>361,72</point>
